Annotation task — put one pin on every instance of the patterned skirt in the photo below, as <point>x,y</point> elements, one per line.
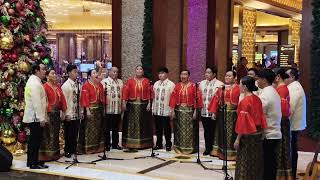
<point>137,131</point>
<point>49,147</point>
<point>249,162</point>
<point>284,170</point>
<point>185,129</point>
<point>92,132</point>
<point>218,144</point>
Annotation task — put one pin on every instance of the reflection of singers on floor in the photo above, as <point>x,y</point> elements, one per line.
<point>104,103</point>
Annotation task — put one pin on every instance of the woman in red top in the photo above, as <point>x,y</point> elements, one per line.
<point>249,125</point>
<point>284,169</point>
<point>137,124</point>
<point>230,97</point>
<point>92,135</point>
<point>183,101</point>
<point>49,147</point>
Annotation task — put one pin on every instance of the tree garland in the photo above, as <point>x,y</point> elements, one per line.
<point>146,59</point>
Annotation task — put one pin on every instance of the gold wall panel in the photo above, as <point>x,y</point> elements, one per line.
<point>247,32</point>
<point>294,37</point>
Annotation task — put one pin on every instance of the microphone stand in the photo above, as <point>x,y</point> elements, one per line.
<point>198,161</point>
<point>104,156</point>
<point>223,107</point>
<point>152,155</point>
<point>75,160</point>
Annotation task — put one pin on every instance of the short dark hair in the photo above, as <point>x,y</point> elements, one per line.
<point>281,72</point>
<point>294,72</point>
<point>249,82</point>
<point>90,72</point>
<point>234,73</point>
<point>267,74</point>
<point>213,69</point>
<point>255,70</point>
<point>35,67</point>
<point>163,70</point>
<point>71,67</point>
<point>185,70</point>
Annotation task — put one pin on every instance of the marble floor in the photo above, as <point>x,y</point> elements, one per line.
<point>129,167</point>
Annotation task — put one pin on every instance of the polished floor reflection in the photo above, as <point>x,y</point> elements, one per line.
<point>19,175</point>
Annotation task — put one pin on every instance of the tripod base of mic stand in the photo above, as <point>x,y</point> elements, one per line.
<point>153,155</point>
<point>104,158</point>
<point>198,162</point>
<point>75,161</point>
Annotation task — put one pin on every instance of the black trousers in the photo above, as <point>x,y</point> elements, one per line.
<point>294,148</point>
<point>113,122</point>
<point>270,158</point>
<point>209,127</point>
<point>35,138</point>
<point>163,124</point>
<point>70,136</point>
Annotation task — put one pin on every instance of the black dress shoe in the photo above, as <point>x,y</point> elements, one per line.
<point>67,155</point>
<point>206,152</point>
<point>168,148</point>
<point>157,147</point>
<point>36,167</point>
<point>116,147</point>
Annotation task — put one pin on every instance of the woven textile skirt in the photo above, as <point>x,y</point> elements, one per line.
<point>137,131</point>
<point>185,129</point>
<point>92,132</point>
<point>249,162</point>
<point>50,147</point>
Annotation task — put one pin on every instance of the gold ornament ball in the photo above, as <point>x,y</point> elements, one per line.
<point>3,86</point>
<point>11,72</point>
<point>24,67</point>
<point>8,136</point>
<point>36,55</point>
<point>6,42</point>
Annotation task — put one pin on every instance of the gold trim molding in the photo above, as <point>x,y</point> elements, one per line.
<point>292,5</point>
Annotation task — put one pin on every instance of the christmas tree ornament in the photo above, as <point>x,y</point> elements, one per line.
<point>5,20</point>
<point>19,149</point>
<point>8,136</point>
<point>19,6</point>
<point>24,66</point>
<point>3,86</point>
<point>7,4</point>
<point>46,61</point>
<point>11,72</point>
<point>11,12</point>
<point>36,55</point>
<point>22,136</point>
<point>6,41</point>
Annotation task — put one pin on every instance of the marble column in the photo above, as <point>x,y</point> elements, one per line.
<point>247,33</point>
<point>132,28</point>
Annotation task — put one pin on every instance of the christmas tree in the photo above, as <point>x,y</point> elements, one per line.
<point>22,42</point>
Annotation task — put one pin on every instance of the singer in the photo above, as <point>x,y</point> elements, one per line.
<point>92,137</point>
<point>208,89</point>
<point>137,127</point>
<point>113,87</point>
<point>71,119</point>
<point>229,96</point>
<point>50,148</point>
<point>183,99</point>
<point>161,110</point>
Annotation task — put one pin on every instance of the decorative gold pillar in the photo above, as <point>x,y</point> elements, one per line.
<point>247,33</point>
<point>294,37</point>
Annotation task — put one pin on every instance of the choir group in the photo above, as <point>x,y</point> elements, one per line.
<point>261,111</point>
